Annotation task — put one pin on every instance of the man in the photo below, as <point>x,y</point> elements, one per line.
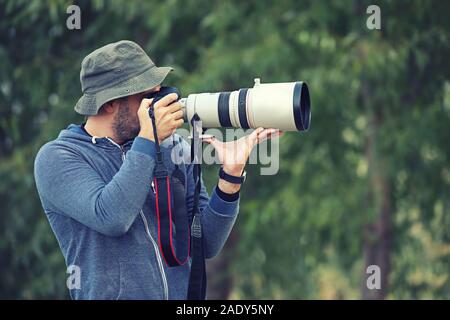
<point>94,180</point>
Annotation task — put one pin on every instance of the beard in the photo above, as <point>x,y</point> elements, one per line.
<point>126,123</point>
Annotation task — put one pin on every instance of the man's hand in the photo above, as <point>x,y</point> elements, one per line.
<point>168,117</point>
<point>234,154</point>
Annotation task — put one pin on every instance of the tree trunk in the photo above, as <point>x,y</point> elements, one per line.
<point>378,234</point>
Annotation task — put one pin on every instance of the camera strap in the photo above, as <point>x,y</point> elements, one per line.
<point>171,211</point>
<point>197,278</point>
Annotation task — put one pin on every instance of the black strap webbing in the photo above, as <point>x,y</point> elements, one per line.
<point>197,279</point>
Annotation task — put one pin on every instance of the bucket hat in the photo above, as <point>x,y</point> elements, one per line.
<point>114,71</point>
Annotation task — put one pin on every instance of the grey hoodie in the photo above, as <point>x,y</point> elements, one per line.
<point>98,199</point>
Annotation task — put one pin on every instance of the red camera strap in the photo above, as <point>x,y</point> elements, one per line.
<point>171,211</point>
<point>172,220</point>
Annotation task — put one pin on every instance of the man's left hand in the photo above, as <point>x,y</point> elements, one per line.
<point>234,154</point>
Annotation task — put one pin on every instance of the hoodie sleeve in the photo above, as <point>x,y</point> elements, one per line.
<point>67,184</point>
<point>218,216</point>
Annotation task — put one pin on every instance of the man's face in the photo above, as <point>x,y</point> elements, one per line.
<point>126,122</point>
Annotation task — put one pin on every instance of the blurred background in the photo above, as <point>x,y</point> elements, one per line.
<point>368,184</point>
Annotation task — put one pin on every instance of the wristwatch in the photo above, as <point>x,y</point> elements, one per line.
<point>232,179</point>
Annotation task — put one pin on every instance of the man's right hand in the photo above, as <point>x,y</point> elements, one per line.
<point>168,117</point>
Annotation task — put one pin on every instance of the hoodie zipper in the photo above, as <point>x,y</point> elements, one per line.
<point>147,230</point>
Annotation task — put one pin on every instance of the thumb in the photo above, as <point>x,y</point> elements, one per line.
<point>211,140</point>
<point>146,103</point>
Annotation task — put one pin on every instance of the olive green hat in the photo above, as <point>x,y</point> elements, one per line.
<point>114,71</point>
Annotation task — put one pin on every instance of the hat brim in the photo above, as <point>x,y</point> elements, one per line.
<point>90,103</point>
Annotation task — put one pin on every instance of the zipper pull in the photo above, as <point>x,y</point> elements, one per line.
<point>152,185</point>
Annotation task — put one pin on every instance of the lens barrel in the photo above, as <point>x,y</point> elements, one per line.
<point>285,106</point>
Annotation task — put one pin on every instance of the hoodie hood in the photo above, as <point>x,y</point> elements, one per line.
<point>75,132</point>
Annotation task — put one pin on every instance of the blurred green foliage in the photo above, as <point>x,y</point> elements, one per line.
<point>368,183</point>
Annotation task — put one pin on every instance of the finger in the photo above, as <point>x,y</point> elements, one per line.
<point>178,123</point>
<point>146,103</point>
<point>272,136</point>
<point>174,107</point>
<point>265,134</point>
<point>166,100</point>
<point>178,114</point>
<point>212,141</point>
<point>261,132</point>
<point>277,133</point>
<point>272,133</point>
<point>269,132</point>
<point>254,135</point>
<point>207,138</point>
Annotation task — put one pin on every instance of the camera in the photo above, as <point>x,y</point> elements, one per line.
<point>285,106</point>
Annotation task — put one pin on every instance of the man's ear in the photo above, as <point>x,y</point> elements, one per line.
<point>110,107</point>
